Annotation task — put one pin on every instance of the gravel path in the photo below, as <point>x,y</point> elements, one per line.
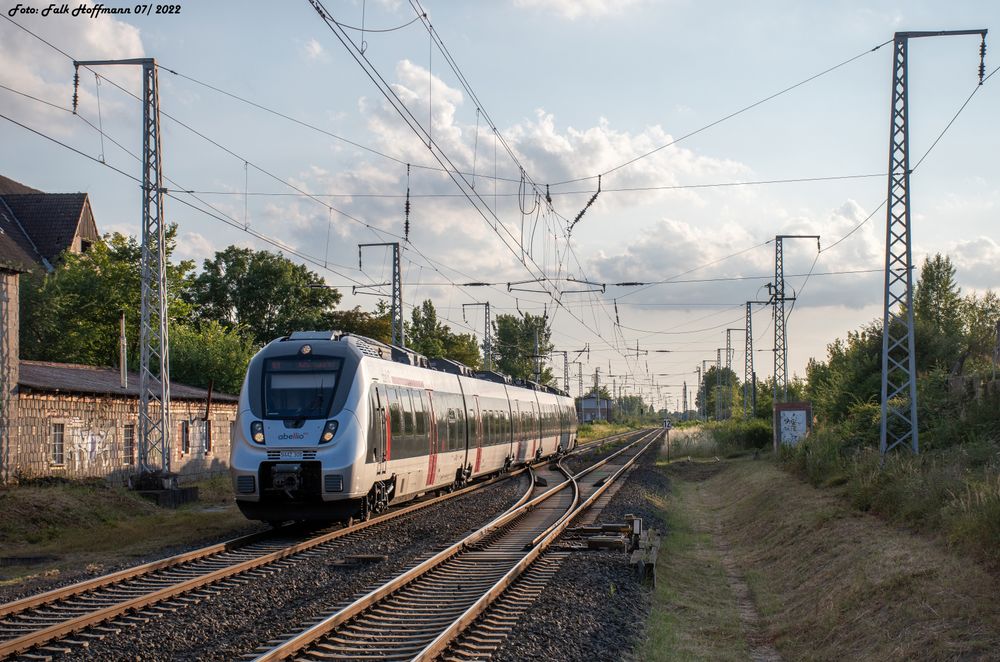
<point>594,608</point>
<point>237,620</point>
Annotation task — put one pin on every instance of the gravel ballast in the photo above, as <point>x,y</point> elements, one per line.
<point>237,620</point>
<point>594,608</point>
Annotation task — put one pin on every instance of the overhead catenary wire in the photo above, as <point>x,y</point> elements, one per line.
<point>729,116</point>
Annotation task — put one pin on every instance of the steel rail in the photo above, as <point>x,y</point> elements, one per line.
<point>444,639</point>
<point>58,630</point>
<point>319,630</point>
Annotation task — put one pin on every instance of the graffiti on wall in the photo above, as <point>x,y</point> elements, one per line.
<point>89,447</point>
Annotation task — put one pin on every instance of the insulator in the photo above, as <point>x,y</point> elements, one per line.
<point>548,198</point>
<point>982,60</point>
<point>76,86</point>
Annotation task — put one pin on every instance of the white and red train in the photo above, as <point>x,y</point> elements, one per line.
<point>334,425</point>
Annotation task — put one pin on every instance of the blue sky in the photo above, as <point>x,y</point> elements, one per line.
<point>575,88</point>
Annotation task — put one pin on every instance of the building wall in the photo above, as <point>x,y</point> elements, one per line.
<point>93,437</point>
<point>9,362</point>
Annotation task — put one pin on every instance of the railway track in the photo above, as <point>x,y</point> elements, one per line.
<point>57,621</point>
<point>416,615</point>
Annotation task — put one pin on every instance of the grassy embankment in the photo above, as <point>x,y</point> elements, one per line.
<point>88,527</point>
<point>826,581</point>
<point>597,429</point>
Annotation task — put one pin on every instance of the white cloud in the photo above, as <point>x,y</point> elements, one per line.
<point>977,263</point>
<point>574,9</point>
<point>313,50</point>
<point>194,246</point>
<point>32,67</point>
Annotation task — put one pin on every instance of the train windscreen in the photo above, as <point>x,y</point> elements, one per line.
<point>300,387</point>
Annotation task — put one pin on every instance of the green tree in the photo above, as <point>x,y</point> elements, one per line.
<point>72,314</point>
<point>211,353</point>
<point>264,293</point>
<point>375,325</point>
<point>426,335</point>
<point>938,316</point>
<point>711,390</point>
<point>514,345</point>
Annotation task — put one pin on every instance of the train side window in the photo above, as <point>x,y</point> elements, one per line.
<point>395,419</point>
<point>408,426</point>
<point>453,438</point>
<point>419,414</point>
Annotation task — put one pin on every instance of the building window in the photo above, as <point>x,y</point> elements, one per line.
<point>57,449</point>
<point>128,445</point>
<point>185,437</point>
<point>208,437</point>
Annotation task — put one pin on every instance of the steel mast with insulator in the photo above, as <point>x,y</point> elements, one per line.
<point>778,298</point>
<point>154,338</point>
<point>899,371</point>
<point>396,309</point>
<point>487,334</point>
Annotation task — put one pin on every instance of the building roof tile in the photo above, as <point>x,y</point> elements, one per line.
<point>50,219</point>
<point>74,378</point>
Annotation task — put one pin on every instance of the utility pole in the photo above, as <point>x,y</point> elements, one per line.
<point>718,384</point>
<point>154,339</point>
<point>899,370</point>
<point>396,310</point>
<point>699,390</point>
<point>538,360</point>
<point>703,377</point>
<point>487,334</point>
<point>779,299</point>
<point>565,367</point>
<point>597,390</point>
<point>579,377</point>
<point>996,352</point>
<point>749,377</point>
<point>729,370</point>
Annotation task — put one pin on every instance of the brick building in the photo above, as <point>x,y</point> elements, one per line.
<point>73,420</point>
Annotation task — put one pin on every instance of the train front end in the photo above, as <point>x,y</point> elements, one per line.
<point>297,439</point>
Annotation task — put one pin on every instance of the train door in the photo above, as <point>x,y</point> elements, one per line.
<point>476,431</point>
<point>536,429</point>
<point>432,435</point>
<point>380,429</point>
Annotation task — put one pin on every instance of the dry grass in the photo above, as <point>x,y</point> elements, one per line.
<point>596,430</point>
<point>86,528</point>
<point>835,584</point>
<point>694,614</point>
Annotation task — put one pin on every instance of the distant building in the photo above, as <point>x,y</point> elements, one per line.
<point>593,409</point>
<point>73,420</point>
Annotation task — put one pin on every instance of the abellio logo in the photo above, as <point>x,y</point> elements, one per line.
<point>291,435</point>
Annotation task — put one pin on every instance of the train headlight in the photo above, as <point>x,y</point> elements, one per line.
<point>257,432</point>
<point>329,430</point>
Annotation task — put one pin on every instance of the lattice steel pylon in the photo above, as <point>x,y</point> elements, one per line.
<point>154,338</point>
<point>396,308</point>
<point>749,390</point>
<point>718,383</point>
<point>899,371</point>
<point>778,298</point>
<point>700,403</point>
<point>487,335</point>
<point>729,370</point>
<point>684,411</point>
